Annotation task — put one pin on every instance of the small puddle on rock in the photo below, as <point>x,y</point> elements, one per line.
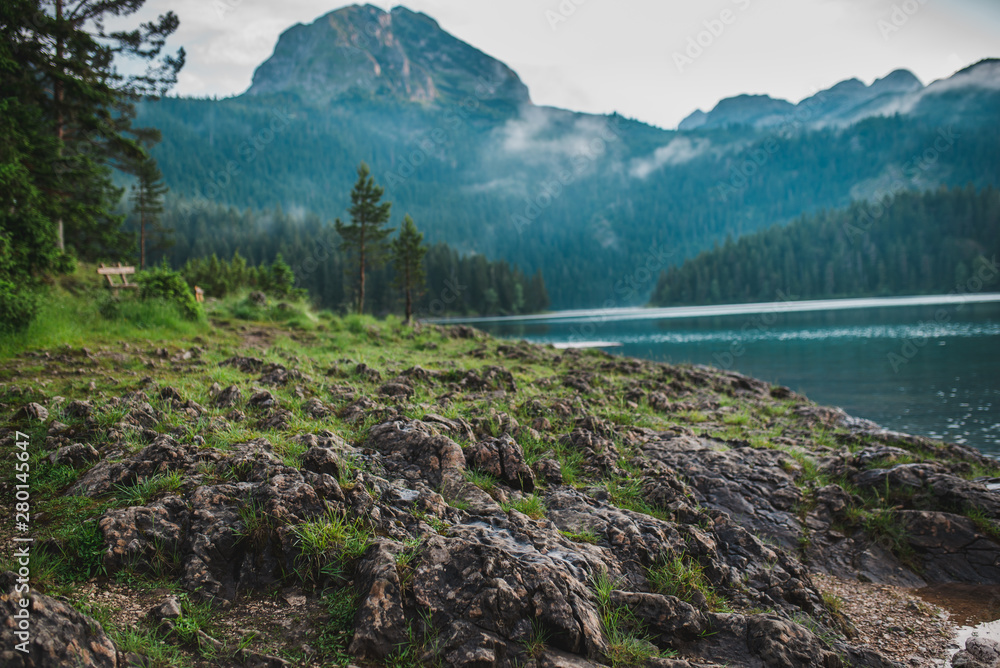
<point>975,609</point>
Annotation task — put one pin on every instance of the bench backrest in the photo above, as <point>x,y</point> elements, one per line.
<point>108,272</point>
<point>115,271</point>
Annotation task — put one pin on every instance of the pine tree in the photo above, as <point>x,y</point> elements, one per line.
<point>67,75</point>
<point>91,103</point>
<point>147,202</point>
<point>366,235</point>
<point>282,278</point>
<point>408,254</point>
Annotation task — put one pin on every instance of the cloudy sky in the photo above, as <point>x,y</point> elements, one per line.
<point>655,60</point>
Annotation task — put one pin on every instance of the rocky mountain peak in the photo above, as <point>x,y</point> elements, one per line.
<point>897,81</point>
<point>364,52</point>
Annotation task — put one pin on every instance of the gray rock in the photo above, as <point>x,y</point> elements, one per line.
<point>316,409</point>
<point>414,450</point>
<point>228,397</point>
<point>397,390</point>
<point>79,409</point>
<point>262,400</point>
<point>666,616</point>
<point>321,460</point>
<point>502,458</point>
<point>169,608</point>
<point>549,470</point>
<point>77,455</point>
<point>380,623</point>
<point>986,650</point>
<point>57,634</point>
<point>33,411</point>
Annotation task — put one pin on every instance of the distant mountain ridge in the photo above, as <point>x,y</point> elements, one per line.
<point>598,204</point>
<point>364,51</point>
<point>851,101</point>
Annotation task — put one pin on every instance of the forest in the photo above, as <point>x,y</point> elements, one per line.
<point>206,237</point>
<point>585,218</point>
<point>937,242</point>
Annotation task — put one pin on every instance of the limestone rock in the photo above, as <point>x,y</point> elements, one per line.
<point>502,458</point>
<point>57,635</point>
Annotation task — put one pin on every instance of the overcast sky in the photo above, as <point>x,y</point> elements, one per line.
<point>633,56</point>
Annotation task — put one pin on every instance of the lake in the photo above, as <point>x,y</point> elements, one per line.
<point>922,365</point>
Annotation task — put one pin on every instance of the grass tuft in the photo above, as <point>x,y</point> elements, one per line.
<point>685,579</point>
<point>532,506</point>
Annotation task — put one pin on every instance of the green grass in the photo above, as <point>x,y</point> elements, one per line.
<point>584,536</point>
<point>67,320</point>
<point>420,649</point>
<point>194,617</point>
<point>684,578</point>
<point>149,644</point>
<point>329,542</point>
<point>438,525</point>
<point>628,645</point>
<point>532,506</point>
<point>296,314</point>
<point>983,522</point>
<point>141,492</point>
<point>536,642</point>
<point>738,419</point>
<point>627,493</point>
<point>827,636</point>
<point>256,526</point>
<point>694,417</point>
<point>978,470</point>
<point>833,602</point>
<point>333,641</point>
<point>483,481</point>
<point>316,344</point>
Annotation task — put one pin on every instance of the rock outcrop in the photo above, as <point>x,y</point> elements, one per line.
<point>543,525</point>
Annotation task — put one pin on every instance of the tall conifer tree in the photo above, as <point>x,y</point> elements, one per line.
<point>408,254</point>
<point>366,235</point>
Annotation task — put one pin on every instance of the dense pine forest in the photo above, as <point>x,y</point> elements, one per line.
<point>935,242</point>
<point>206,237</point>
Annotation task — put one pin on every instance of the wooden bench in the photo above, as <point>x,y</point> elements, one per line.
<point>124,272</point>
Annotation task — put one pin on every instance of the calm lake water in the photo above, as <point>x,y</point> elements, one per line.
<point>924,365</point>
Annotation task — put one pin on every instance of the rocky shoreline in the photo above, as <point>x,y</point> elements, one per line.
<point>387,497</point>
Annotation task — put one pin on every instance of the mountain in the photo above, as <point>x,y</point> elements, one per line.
<point>598,204</point>
<point>365,52</point>
<point>969,96</point>
<point>753,110</point>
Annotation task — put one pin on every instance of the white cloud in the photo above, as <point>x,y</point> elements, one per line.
<point>678,151</point>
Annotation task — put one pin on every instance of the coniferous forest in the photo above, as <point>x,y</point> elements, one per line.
<point>936,242</point>
<point>456,284</point>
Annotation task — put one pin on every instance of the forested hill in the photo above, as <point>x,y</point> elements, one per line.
<point>456,142</point>
<point>936,242</point>
<point>208,235</point>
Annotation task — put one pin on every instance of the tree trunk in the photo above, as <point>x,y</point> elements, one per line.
<point>57,95</point>
<point>409,305</point>
<point>142,241</point>
<point>361,277</point>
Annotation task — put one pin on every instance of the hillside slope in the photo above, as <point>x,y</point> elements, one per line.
<point>931,243</point>
<point>364,493</point>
